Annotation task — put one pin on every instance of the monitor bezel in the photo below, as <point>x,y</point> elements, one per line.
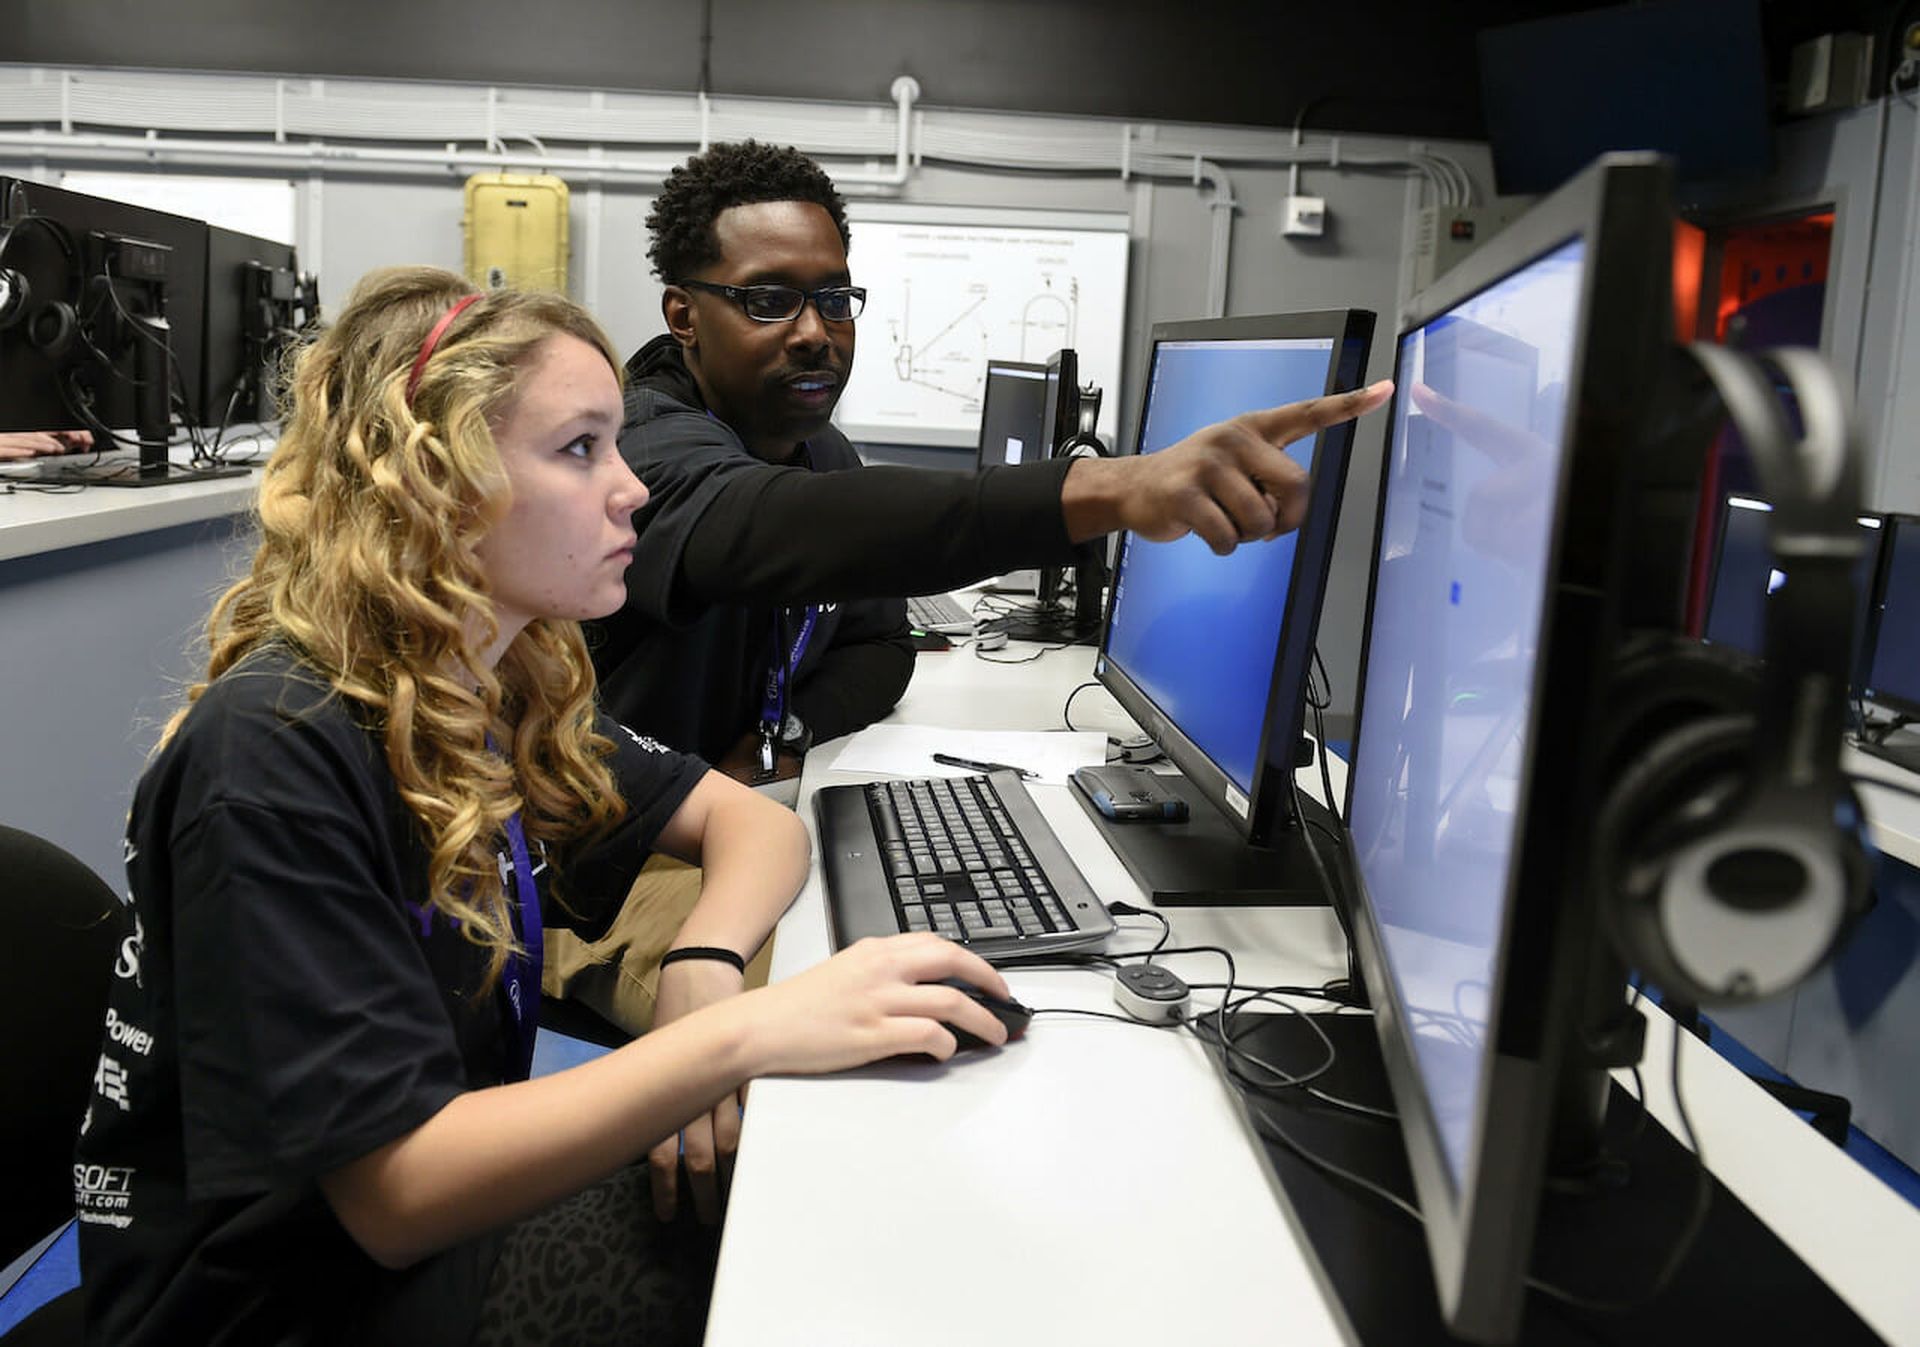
<point>1268,804</point>
<point>1024,368</point>
<point>1479,1236</point>
<point>1892,524</point>
<point>1062,416</point>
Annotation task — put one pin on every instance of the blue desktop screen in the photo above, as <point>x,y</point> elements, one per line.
<point>1442,753</point>
<point>1895,668</point>
<point>1195,632</point>
<point>1745,577</point>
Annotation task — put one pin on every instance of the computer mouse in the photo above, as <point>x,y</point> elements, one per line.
<point>1009,1012</point>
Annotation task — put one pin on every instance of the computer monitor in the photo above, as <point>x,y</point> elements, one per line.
<point>1892,664</point>
<point>1745,577</point>
<point>107,336</point>
<point>1209,654</point>
<point>1475,759</point>
<point>1013,414</point>
<point>256,302</point>
<point>1048,619</point>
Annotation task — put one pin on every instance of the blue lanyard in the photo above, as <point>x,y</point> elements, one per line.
<point>773,708</point>
<point>520,984</point>
<point>522,977</point>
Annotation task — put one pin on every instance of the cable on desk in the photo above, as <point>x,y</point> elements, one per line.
<point>1066,718</point>
<point>51,487</point>
<point>1166,927</point>
<point>1027,658</point>
<point>1897,787</point>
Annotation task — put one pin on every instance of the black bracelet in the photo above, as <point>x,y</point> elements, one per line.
<point>704,952</point>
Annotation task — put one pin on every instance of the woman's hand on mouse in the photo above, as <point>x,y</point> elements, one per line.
<point>878,998</point>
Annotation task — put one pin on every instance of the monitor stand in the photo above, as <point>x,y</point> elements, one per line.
<point>126,474</point>
<point>1050,622</point>
<point>1205,862</point>
<point>1738,1282</point>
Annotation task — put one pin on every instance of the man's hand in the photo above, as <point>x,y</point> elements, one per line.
<point>1230,483</point>
<point>708,1144</point>
<point>34,443</point>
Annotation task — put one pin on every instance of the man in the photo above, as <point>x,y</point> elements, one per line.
<point>763,603</point>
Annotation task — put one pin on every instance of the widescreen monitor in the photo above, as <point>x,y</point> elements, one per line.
<point>103,330</point>
<point>1487,639</point>
<point>47,369</point>
<point>1209,653</point>
<point>1013,425</point>
<point>1745,579</point>
<point>1892,677</point>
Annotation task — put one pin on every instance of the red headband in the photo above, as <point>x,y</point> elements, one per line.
<point>433,340</point>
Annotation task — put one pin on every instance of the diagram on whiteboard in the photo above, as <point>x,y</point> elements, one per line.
<point>944,299</point>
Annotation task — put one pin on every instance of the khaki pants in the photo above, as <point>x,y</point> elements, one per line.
<point>618,975</point>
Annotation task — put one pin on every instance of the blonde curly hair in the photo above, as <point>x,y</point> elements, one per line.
<point>369,512</point>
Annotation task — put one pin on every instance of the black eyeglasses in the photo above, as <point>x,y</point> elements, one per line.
<point>782,303</point>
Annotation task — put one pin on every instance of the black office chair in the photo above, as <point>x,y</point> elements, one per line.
<point>64,930</point>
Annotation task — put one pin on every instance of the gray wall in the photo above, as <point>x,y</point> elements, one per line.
<point>100,644</point>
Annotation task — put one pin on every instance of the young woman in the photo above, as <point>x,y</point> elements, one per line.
<point>312,1119</point>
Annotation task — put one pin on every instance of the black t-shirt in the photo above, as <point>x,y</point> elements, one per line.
<point>287,1004</point>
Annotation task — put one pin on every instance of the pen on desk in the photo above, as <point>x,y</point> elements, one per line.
<point>973,765</point>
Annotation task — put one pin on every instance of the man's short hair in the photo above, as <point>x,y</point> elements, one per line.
<point>737,174</point>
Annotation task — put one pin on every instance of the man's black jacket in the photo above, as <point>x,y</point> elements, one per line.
<point>732,548</point>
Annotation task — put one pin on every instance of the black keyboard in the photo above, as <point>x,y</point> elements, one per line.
<point>967,857</point>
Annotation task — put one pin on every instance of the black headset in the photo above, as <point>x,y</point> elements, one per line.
<point>52,322</point>
<point>1728,846</point>
<point>1083,442</point>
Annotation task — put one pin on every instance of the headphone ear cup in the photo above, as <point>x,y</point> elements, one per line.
<point>1685,784</point>
<point>52,328</point>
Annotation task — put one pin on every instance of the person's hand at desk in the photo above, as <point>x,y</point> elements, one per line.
<point>1231,482</point>
<point>41,443</point>
<point>705,1147</point>
<point>873,1000</point>
<point>880,998</point>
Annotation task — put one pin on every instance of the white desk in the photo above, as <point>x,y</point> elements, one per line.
<point>1092,1182</point>
<point>34,522</point>
<point>1893,819</point>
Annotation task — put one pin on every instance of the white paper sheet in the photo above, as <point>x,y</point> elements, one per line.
<point>907,750</point>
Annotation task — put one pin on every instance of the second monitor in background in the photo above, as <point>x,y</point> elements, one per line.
<point>1013,414</point>
<point>257,301</point>
<point>1745,577</point>
<point>1013,430</point>
<point>1209,654</point>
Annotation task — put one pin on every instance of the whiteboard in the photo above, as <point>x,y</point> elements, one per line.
<point>949,288</point>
